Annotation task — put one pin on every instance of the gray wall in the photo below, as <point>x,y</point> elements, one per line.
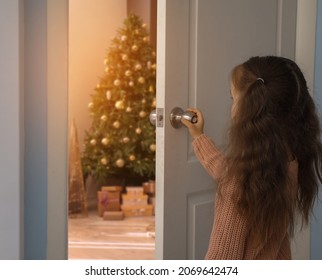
<point>35,129</point>
<point>11,148</point>
<point>316,226</point>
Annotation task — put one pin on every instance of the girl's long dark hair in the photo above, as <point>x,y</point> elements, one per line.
<point>275,122</point>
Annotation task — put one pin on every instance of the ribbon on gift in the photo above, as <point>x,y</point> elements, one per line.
<point>107,199</point>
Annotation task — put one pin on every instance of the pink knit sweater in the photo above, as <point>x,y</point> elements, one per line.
<point>229,237</point>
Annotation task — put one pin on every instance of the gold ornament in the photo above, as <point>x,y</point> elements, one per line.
<point>149,65</point>
<point>106,69</point>
<point>104,161</point>
<point>120,163</point>
<point>137,31</point>
<point>104,118</point>
<point>138,131</point>
<point>151,89</point>
<point>108,95</point>
<point>105,61</point>
<point>153,147</point>
<point>154,66</point>
<point>141,80</point>
<point>98,86</point>
<point>154,103</point>
<point>119,105</point>
<point>90,105</point>
<point>143,101</point>
<point>124,57</point>
<point>145,39</point>
<point>126,140</point>
<point>135,48</point>
<point>144,25</point>
<point>93,142</point>
<point>117,82</point>
<point>116,124</point>
<point>123,38</point>
<point>142,114</point>
<point>128,73</point>
<point>138,67</point>
<point>105,141</point>
<point>128,109</point>
<point>131,83</point>
<point>132,157</point>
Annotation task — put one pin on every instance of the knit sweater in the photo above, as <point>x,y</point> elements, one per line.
<point>229,237</point>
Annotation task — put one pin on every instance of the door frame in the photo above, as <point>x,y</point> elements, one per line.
<point>57,93</point>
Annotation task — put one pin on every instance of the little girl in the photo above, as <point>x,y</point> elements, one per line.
<point>272,166</point>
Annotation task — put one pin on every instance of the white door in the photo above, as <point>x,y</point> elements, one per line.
<point>198,44</point>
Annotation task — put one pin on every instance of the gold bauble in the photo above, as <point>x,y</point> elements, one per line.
<point>142,114</point>
<point>93,142</point>
<point>117,83</point>
<point>141,80</point>
<point>153,147</point>
<point>135,48</point>
<point>131,83</point>
<point>105,141</point>
<point>126,140</point>
<point>128,109</point>
<point>105,61</point>
<point>128,73</point>
<point>138,131</point>
<point>138,67</point>
<point>154,66</point>
<point>104,118</point>
<point>90,105</point>
<point>120,163</point>
<point>106,69</point>
<point>132,157</point>
<point>116,124</point>
<point>124,57</point>
<point>123,38</point>
<point>154,103</point>
<point>151,89</point>
<point>104,161</point>
<point>119,105</point>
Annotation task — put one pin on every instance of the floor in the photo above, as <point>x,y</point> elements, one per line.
<point>95,238</point>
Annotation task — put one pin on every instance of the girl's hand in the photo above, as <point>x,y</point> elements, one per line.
<point>195,129</point>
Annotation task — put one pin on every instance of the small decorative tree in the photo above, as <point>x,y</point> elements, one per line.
<point>121,140</point>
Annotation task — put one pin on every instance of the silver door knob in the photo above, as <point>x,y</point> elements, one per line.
<point>153,117</point>
<point>177,114</point>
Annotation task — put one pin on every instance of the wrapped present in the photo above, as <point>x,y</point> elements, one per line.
<point>108,201</point>
<point>112,188</point>
<point>113,215</point>
<point>134,190</point>
<point>149,187</point>
<point>135,211</point>
<point>128,199</point>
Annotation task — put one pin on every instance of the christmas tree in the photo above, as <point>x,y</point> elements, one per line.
<point>121,140</point>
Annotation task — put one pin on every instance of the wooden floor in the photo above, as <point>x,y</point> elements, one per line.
<point>94,238</point>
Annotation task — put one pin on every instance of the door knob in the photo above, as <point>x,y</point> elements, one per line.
<point>153,117</point>
<point>177,114</point>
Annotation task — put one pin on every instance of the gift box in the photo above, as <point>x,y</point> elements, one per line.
<point>112,189</point>
<point>134,190</point>
<point>149,187</point>
<point>129,199</point>
<point>108,201</point>
<point>113,215</point>
<point>135,211</point>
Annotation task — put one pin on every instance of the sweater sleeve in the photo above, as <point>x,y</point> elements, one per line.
<point>209,155</point>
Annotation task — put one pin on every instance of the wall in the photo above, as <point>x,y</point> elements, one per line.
<point>36,160</point>
<point>11,148</point>
<point>91,29</point>
<point>316,225</point>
